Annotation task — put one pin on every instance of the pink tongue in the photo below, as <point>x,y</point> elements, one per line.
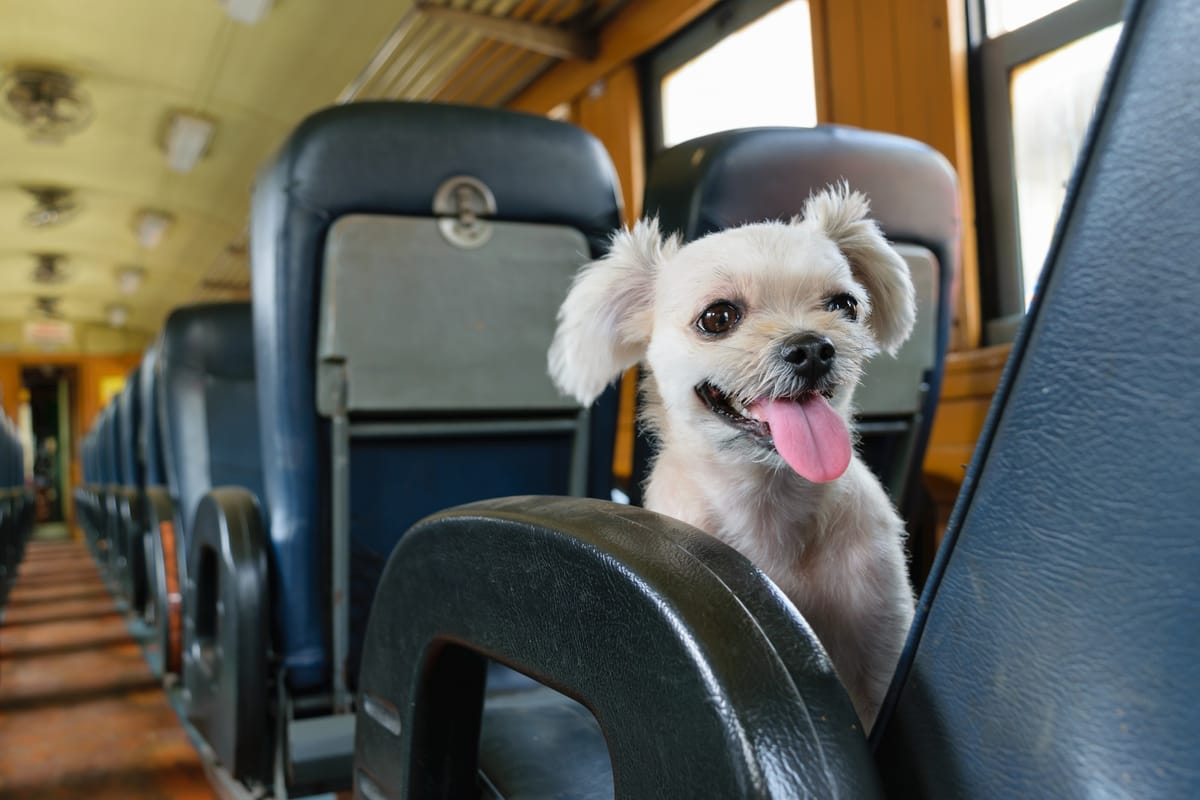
<point>809,434</point>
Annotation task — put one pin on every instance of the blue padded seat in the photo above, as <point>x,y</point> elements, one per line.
<point>736,177</point>
<point>125,529</point>
<point>129,409</point>
<point>150,433</point>
<point>390,159</point>
<point>111,473</point>
<point>208,408</point>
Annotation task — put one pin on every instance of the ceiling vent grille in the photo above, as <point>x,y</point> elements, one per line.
<point>53,205</point>
<point>49,270</point>
<point>47,307</point>
<point>47,102</point>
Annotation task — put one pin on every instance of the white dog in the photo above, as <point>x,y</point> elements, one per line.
<point>754,339</point>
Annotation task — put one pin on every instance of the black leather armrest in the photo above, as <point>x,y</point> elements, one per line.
<point>165,588</point>
<point>227,631</point>
<point>704,679</point>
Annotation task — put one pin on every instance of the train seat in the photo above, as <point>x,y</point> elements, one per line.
<point>408,261</point>
<point>16,506</point>
<point>162,559</point>
<point>79,493</point>
<point>209,421</point>
<point>99,489</point>
<point>1052,654</point>
<point>128,562</point>
<point>87,493</point>
<point>111,480</point>
<point>736,177</point>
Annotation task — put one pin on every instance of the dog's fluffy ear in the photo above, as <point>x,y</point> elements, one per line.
<point>605,323</point>
<point>841,214</point>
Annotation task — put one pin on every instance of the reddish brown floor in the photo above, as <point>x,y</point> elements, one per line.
<point>81,714</point>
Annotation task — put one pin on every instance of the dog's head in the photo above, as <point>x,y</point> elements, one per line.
<point>756,336</point>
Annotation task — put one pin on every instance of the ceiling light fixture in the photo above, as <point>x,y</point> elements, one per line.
<point>188,139</point>
<point>151,226</point>
<point>129,279</point>
<point>117,315</point>
<point>248,12</point>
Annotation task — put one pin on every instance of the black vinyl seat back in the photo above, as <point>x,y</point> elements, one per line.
<point>1055,648</point>
<point>407,262</point>
<point>736,177</point>
<point>208,407</point>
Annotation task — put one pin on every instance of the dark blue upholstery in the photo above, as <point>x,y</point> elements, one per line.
<point>129,409</point>
<point>112,444</point>
<point>1055,651</point>
<point>150,433</point>
<point>208,406</point>
<point>385,158</point>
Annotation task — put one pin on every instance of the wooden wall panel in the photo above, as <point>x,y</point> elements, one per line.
<point>611,110</point>
<point>900,66</point>
<point>967,392</point>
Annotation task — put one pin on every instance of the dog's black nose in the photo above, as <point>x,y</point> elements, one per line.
<point>810,355</point>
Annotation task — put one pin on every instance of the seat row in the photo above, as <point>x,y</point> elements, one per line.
<point>16,505</point>
<point>246,488</point>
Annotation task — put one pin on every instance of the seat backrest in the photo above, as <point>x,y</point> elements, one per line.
<point>208,408</point>
<point>112,447</point>
<point>736,177</point>
<point>1055,649</point>
<point>150,446</point>
<point>407,261</point>
<point>129,410</point>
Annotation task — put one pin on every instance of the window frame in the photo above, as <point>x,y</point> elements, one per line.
<point>720,21</point>
<point>993,59</point>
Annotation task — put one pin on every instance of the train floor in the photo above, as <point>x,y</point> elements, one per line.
<point>81,713</point>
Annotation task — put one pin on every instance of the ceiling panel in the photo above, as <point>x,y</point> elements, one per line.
<point>139,60</point>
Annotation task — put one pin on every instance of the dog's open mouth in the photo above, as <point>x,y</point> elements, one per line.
<point>805,429</point>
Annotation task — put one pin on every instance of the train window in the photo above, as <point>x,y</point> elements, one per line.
<point>1008,15</point>
<point>1040,66</point>
<point>746,63</point>
<point>1052,102</point>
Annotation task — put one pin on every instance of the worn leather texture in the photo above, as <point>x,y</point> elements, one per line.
<point>736,177</point>
<point>381,158</point>
<point>1055,653</point>
<point>208,405</point>
<point>704,680</point>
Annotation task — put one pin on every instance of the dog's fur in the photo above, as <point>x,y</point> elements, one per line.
<point>835,548</point>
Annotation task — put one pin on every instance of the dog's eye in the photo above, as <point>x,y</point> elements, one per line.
<point>846,303</point>
<point>719,317</point>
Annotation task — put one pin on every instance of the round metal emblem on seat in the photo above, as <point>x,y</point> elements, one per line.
<point>461,203</point>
